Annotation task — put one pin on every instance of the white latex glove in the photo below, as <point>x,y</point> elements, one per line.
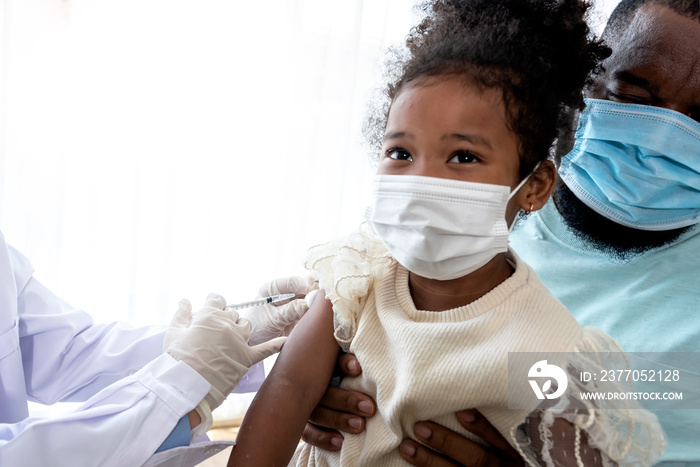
<point>275,320</point>
<point>215,345</point>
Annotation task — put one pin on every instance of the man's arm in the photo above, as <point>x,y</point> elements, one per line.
<point>275,420</point>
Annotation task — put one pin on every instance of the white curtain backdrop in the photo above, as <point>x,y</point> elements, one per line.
<point>159,149</point>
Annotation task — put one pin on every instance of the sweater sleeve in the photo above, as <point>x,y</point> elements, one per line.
<point>345,269</point>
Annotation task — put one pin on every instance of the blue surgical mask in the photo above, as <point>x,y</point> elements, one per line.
<point>637,165</point>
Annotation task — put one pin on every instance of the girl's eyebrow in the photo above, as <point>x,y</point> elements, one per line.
<point>397,134</point>
<point>472,138</point>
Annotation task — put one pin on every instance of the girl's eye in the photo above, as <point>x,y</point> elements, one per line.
<point>399,155</point>
<point>464,157</point>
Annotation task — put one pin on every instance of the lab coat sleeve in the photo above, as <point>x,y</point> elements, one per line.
<point>187,456</point>
<point>122,425</point>
<point>66,356</point>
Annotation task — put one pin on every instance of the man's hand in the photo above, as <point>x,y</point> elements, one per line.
<point>339,409</point>
<point>454,449</point>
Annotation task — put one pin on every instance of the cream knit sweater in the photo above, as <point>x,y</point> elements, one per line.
<point>425,365</point>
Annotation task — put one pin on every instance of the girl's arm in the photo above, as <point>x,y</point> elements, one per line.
<point>275,420</point>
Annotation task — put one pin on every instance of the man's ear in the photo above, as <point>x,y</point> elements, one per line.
<point>539,188</point>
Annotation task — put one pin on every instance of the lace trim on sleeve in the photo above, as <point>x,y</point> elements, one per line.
<point>345,270</point>
<point>570,431</point>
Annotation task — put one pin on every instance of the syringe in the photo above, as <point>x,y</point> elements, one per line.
<point>261,301</point>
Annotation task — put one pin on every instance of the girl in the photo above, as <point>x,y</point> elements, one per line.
<point>427,295</point>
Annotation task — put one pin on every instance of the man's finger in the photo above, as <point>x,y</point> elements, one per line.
<point>349,365</point>
<point>419,455</point>
<point>326,418</point>
<point>458,448</point>
<point>476,423</point>
<point>352,402</point>
<point>329,440</point>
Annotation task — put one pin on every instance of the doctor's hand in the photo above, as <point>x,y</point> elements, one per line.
<point>450,448</point>
<point>278,319</point>
<point>339,409</point>
<point>215,344</point>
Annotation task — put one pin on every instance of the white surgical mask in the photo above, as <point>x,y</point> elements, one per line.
<point>440,228</point>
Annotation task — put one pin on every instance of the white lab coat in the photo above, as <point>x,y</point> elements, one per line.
<point>50,352</point>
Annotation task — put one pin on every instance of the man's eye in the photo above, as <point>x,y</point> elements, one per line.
<point>464,157</point>
<point>399,155</point>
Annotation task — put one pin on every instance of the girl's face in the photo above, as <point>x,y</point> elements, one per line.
<point>444,127</point>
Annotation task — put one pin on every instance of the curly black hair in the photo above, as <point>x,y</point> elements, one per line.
<point>624,12</point>
<point>539,53</point>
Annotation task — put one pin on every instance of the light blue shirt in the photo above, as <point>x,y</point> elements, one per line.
<point>650,303</point>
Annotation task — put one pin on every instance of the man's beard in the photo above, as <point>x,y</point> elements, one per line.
<point>605,235</point>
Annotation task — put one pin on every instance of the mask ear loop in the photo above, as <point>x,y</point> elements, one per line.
<point>516,189</point>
